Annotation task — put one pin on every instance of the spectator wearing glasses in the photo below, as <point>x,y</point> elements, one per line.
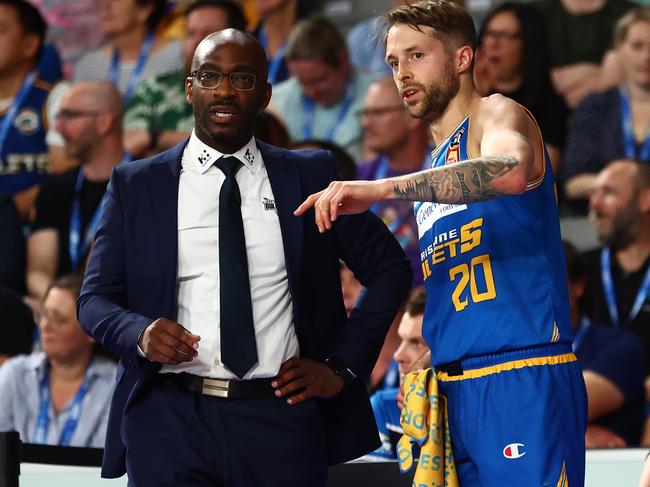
<point>158,116</point>
<point>134,52</point>
<point>59,395</point>
<point>69,206</point>
<point>324,95</point>
<point>402,145</point>
<point>513,59</point>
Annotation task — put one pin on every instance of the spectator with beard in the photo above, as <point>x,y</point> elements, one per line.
<point>618,282</point>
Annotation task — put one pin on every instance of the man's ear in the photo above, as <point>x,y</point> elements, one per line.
<point>464,59</point>
<point>188,89</point>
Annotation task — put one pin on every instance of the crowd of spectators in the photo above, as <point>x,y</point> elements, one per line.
<point>83,89</point>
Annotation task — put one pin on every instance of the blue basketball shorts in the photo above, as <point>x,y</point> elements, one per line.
<point>518,418</point>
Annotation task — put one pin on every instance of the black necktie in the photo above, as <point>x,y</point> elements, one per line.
<point>238,349</point>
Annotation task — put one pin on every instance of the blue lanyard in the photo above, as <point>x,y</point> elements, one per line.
<point>579,335</point>
<point>610,295</point>
<point>308,111</point>
<point>15,106</point>
<point>628,132</point>
<point>381,173</point>
<point>76,247</point>
<point>43,419</point>
<point>114,72</point>
<point>275,63</point>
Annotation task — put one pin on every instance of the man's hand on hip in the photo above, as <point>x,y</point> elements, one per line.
<point>314,378</point>
<point>166,342</point>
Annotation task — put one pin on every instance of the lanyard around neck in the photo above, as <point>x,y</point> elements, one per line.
<point>629,142</point>
<point>114,72</point>
<point>308,107</point>
<point>9,118</point>
<point>43,419</point>
<point>610,294</point>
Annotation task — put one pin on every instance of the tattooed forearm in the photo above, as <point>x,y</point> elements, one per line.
<point>462,182</point>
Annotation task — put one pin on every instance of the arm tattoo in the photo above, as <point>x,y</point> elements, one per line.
<point>459,183</point>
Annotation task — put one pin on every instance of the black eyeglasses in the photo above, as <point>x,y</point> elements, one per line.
<point>501,35</point>
<point>66,114</point>
<point>209,79</point>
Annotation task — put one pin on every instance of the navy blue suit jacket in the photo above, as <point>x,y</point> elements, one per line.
<point>130,281</point>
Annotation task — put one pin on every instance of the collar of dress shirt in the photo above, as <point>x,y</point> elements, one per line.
<point>202,156</point>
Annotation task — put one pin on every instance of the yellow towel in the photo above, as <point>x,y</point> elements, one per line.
<point>424,420</point>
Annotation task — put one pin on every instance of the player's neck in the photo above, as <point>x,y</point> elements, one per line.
<point>129,43</point>
<point>409,156</point>
<point>101,162</point>
<point>458,109</point>
<point>278,25</point>
<point>632,257</point>
<point>12,80</point>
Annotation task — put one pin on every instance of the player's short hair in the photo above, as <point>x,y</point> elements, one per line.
<point>448,21</point>
<point>236,17</point>
<point>30,20</point>
<point>316,39</point>
<point>415,304</point>
<point>637,14</point>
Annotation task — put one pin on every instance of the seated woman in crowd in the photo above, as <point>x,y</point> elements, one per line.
<point>60,395</point>
<point>613,124</point>
<point>513,59</point>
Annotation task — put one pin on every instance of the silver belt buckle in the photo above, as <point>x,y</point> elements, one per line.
<point>216,387</point>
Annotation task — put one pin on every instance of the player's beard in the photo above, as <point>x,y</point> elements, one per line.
<point>437,96</point>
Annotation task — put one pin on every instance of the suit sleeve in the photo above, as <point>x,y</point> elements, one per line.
<point>102,305</point>
<point>377,260</point>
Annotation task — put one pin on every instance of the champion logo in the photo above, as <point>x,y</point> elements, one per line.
<point>514,451</point>
<point>204,158</point>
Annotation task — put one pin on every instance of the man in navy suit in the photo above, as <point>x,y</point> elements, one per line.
<point>238,365</point>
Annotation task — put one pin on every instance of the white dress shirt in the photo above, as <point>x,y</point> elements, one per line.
<point>198,262</point>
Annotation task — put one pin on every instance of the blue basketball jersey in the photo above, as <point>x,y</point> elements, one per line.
<point>24,157</point>
<point>494,270</point>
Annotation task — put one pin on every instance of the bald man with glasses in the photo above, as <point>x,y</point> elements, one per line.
<point>68,208</point>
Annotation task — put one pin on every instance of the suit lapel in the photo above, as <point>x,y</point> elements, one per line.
<point>285,183</point>
<point>163,191</point>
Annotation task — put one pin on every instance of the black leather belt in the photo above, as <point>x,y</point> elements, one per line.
<point>230,389</point>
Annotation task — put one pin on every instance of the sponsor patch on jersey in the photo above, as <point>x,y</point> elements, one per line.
<point>453,151</point>
<point>27,121</point>
<point>429,213</point>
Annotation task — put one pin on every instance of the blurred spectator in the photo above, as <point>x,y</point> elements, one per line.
<point>345,166</point>
<point>322,98</point>
<point>23,152</point>
<point>270,129</point>
<point>16,326</point>
<point>158,116</point>
<point>50,69</point>
<point>366,45</point>
<point>513,59</point>
<point>60,395</point>
<point>618,283</point>
<point>618,119</point>
<point>277,18</point>
<point>69,208</point>
<point>74,28</point>
<point>580,34</point>
<point>12,248</point>
<point>413,354</point>
<point>134,52</point>
<point>402,145</point>
<point>613,367</point>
